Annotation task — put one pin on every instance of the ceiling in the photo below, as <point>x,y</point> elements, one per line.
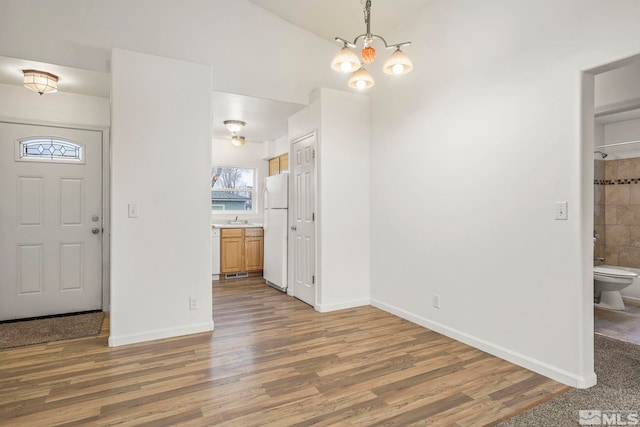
<point>266,119</point>
<point>343,18</point>
<point>72,80</point>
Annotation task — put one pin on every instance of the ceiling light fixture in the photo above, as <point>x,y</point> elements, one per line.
<point>347,61</point>
<point>40,81</point>
<point>234,127</point>
<point>237,140</point>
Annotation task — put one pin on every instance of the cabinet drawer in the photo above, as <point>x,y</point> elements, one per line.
<point>231,232</point>
<point>253,232</point>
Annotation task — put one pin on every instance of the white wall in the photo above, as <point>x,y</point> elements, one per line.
<point>617,86</point>
<point>276,147</point>
<point>67,109</point>
<point>249,49</point>
<point>161,161</point>
<point>250,155</point>
<point>628,130</point>
<point>469,154</point>
<point>342,120</point>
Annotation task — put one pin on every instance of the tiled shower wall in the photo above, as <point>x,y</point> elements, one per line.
<point>617,211</point>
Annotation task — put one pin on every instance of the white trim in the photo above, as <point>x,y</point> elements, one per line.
<point>519,359</point>
<point>324,308</point>
<point>158,334</point>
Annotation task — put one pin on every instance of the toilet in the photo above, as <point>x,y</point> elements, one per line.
<point>607,284</point>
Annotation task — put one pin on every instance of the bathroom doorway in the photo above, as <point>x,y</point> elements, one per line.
<point>616,194</point>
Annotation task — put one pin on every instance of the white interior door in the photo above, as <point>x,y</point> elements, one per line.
<point>303,230</point>
<point>50,220</point>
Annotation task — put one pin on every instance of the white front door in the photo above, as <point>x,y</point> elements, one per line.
<point>303,230</point>
<point>50,220</point>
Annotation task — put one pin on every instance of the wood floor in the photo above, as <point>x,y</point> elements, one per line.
<point>271,361</point>
<point>622,325</point>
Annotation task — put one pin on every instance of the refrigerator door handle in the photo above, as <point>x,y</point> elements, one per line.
<point>265,200</point>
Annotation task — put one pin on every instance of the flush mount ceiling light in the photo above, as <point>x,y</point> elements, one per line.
<point>347,61</point>
<point>234,127</point>
<point>40,81</point>
<point>237,140</point>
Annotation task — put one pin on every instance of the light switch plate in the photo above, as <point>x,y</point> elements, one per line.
<point>133,210</point>
<point>561,210</point>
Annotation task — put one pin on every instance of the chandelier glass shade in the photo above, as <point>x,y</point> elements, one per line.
<point>361,79</point>
<point>40,81</point>
<point>398,63</point>
<point>347,61</point>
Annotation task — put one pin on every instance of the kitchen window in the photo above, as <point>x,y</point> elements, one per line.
<point>233,189</point>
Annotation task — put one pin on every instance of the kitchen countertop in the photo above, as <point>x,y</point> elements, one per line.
<point>225,225</point>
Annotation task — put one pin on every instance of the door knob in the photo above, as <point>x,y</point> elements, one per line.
<point>294,228</point>
<point>95,230</point>
<point>95,218</point>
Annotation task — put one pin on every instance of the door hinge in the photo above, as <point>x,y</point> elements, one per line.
<point>313,154</point>
<point>313,216</point>
<point>313,280</point>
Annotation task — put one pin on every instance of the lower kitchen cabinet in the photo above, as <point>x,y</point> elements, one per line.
<point>241,250</point>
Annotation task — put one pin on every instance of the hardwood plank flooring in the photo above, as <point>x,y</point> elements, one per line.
<point>272,360</point>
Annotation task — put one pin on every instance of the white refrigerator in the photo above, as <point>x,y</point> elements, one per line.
<point>276,220</point>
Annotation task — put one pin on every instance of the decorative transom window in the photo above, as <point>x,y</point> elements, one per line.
<point>49,149</point>
<point>233,189</point>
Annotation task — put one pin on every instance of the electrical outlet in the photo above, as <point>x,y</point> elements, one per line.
<point>193,303</point>
<point>436,301</point>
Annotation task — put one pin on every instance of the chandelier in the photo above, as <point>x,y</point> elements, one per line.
<point>347,61</point>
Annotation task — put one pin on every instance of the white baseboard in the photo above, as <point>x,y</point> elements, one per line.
<point>527,362</point>
<point>115,341</point>
<point>325,308</point>
<point>631,299</point>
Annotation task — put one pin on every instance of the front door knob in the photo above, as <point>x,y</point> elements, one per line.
<point>95,230</point>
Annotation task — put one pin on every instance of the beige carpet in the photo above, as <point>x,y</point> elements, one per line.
<point>617,394</point>
<point>17,334</point>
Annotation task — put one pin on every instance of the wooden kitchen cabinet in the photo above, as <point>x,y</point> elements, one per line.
<point>253,249</point>
<point>241,250</point>
<point>274,166</point>
<point>279,164</point>
<point>284,163</point>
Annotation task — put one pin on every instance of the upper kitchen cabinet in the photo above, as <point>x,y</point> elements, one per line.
<point>279,164</point>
